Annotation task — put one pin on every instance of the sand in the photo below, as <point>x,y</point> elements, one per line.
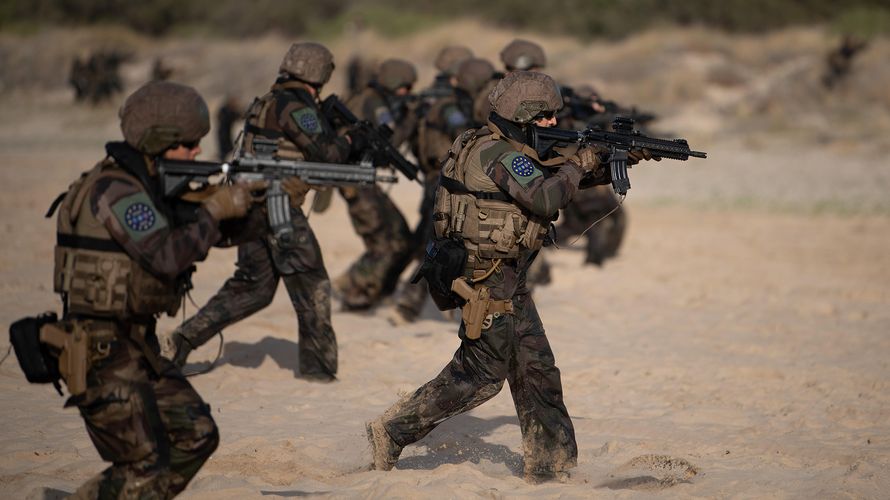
<point>737,347</point>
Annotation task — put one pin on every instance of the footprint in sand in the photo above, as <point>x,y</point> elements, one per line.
<point>651,473</point>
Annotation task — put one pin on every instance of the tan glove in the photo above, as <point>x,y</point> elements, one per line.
<point>588,158</point>
<point>296,189</point>
<point>637,155</point>
<point>233,201</point>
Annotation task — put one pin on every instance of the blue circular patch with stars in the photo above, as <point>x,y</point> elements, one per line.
<point>522,166</point>
<point>139,217</point>
<point>309,122</point>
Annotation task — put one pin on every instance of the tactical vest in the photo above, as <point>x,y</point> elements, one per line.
<point>469,205</point>
<point>92,272</point>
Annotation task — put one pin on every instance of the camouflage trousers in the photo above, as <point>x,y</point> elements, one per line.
<point>514,349</point>
<point>603,239</point>
<point>253,287</point>
<point>388,244</point>
<point>153,427</point>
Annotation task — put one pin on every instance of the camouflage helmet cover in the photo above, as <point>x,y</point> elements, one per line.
<point>522,95</point>
<point>161,114</point>
<point>472,74</point>
<point>310,62</point>
<point>523,55</point>
<point>451,57</point>
<point>395,73</point>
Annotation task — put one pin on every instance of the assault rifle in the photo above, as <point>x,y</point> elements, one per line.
<point>178,177</point>
<point>379,148</point>
<point>619,142</point>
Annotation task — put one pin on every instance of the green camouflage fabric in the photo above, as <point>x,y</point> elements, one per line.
<point>253,287</point>
<point>262,263</point>
<point>154,428</point>
<point>376,219</point>
<point>142,229</point>
<point>151,425</point>
<point>514,348</point>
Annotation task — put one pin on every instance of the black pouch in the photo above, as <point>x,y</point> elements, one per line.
<point>444,262</point>
<point>39,365</point>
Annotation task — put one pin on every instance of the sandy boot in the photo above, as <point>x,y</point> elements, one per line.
<point>384,451</point>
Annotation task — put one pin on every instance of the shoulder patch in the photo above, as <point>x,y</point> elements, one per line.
<point>307,119</point>
<point>138,216</point>
<point>521,168</point>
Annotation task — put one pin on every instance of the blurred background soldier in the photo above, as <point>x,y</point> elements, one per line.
<point>97,78</point>
<point>375,218</point>
<point>492,171</point>
<point>446,118</point>
<point>160,71</point>
<point>124,256</point>
<point>229,112</point>
<point>840,60</point>
<point>288,121</point>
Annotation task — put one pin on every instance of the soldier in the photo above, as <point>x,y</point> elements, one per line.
<point>447,62</point>
<point>447,117</point>
<point>123,257</point>
<point>496,200</point>
<point>374,216</point>
<point>289,118</point>
<point>588,205</point>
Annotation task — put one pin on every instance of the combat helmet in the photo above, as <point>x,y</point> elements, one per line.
<point>522,95</point>
<point>163,114</point>
<point>395,73</point>
<point>523,55</point>
<point>451,57</point>
<point>310,62</point>
<point>473,74</point>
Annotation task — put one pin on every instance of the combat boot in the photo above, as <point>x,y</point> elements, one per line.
<point>384,451</point>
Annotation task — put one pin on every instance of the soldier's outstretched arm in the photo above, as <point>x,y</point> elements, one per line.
<point>145,234</point>
<point>542,195</point>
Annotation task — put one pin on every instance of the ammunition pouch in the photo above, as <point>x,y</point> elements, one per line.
<point>37,362</point>
<point>107,283</point>
<point>480,309</point>
<point>444,261</point>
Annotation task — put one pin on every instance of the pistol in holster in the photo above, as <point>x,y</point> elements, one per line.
<point>74,347</point>
<point>480,310</point>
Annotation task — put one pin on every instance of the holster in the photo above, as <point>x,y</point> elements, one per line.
<point>74,349</point>
<point>480,310</point>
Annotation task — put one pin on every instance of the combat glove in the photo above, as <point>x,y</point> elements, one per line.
<point>233,201</point>
<point>296,189</point>
<point>637,155</point>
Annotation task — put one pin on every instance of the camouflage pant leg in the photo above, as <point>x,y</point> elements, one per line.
<point>387,240</point>
<point>156,430</point>
<point>604,238</point>
<point>251,288</point>
<point>548,435</point>
<point>475,374</point>
<point>310,294</point>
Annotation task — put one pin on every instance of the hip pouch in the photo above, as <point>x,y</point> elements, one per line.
<point>444,262</point>
<point>48,351</point>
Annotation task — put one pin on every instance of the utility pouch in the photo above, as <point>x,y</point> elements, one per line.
<point>444,262</point>
<point>74,352</point>
<point>40,366</point>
